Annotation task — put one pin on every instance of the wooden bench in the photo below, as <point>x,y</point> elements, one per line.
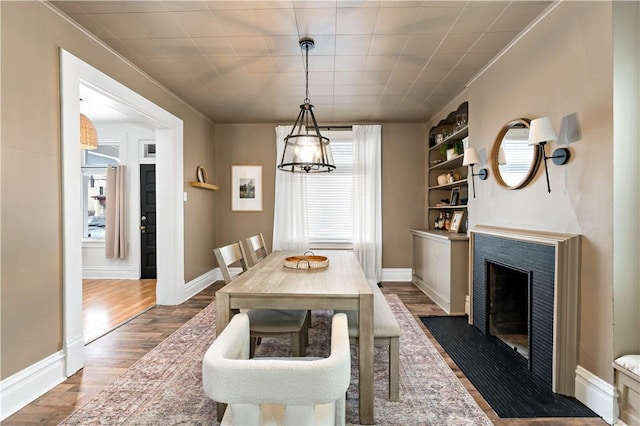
<point>627,380</point>
<point>386,332</point>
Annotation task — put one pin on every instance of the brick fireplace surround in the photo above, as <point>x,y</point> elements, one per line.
<point>552,260</point>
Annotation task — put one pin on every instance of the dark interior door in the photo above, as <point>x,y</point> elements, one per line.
<point>148,221</point>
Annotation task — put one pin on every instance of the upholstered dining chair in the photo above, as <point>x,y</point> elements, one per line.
<point>257,249</point>
<point>291,323</point>
<point>282,391</point>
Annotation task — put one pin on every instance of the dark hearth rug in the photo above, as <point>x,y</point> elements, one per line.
<point>511,392</point>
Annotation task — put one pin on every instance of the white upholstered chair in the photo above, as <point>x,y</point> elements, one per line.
<point>291,323</point>
<point>257,249</point>
<point>279,391</point>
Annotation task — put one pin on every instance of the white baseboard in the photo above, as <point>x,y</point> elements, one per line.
<point>396,274</point>
<point>100,272</point>
<point>597,394</point>
<point>198,284</point>
<point>25,386</point>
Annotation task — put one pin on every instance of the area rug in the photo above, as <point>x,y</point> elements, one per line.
<point>513,392</point>
<point>165,386</point>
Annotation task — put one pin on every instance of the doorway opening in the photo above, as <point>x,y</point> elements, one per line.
<point>168,131</point>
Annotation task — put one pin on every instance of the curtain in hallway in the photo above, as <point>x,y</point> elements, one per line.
<point>115,226</point>
<point>290,231</point>
<point>367,203</point>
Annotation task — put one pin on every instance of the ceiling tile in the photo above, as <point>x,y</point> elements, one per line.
<point>387,44</point>
<point>315,22</point>
<point>350,63</point>
<point>356,20</point>
<point>248,45</point>
<point>396,20</point>
<point>437,20</point>
<point>239,22</point>
<point>185,5</point>
<point>493,42</point>
<point>519,15</point>
<point>277,21</point>
<point>381,63</point>
<point>198,23</point>
<point>477,17</point>
<point>458,43</point>
<point>141,25</point>
<point>352,44</point>
<point>214,46</point>
<point>423,45</point>
<point>158,48</point>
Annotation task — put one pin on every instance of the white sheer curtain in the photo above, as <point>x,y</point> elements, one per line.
<point>367,205</point>
<point>290,212</point>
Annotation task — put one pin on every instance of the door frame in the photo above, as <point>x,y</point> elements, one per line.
<point>170,288</point>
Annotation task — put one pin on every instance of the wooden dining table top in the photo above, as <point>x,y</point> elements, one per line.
<point>342,278</point>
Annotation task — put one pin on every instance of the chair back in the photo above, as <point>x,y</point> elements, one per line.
<point>227,256</point>
<point>283,390</point>
<point>257,248</point>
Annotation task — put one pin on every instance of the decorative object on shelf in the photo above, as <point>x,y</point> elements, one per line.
<point>246,188</point>
<point>451,149</point>
<point>443,179</point>
<point>471,158</point>
<point>540,133</point>
<point>513,161</point>
<point>88,133</point>
<point>201,173</point>
<point>456,221</point>
<point>305,149</point>
<point>455,196</point>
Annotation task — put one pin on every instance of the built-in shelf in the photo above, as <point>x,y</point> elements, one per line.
<point>203,185</point>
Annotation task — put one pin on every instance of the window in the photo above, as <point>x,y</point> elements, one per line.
<point>330,198</point>
<point>94,187</point>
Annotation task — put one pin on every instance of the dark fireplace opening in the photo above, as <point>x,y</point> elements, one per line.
<point>509,306</point>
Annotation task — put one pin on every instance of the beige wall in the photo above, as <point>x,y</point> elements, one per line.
<point>31,216</point>
<point>402,184</point>
<point>561,67</point>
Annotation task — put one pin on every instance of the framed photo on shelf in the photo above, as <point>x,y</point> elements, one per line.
<point>456,221</point>
<point>246,188</point>
<point>454,198</point>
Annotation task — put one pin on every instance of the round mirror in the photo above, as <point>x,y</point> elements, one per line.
<point>513,160</point>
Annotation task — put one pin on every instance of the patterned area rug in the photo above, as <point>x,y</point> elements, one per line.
<point>165,386</point>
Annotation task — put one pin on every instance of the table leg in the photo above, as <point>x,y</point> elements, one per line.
<point>365,353</point>
<point>223,316</point>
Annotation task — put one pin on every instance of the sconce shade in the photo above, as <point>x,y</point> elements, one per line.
<point>88,133</point>
<point>470,157</point>
<point>502,159</point>
<point>541,130</point>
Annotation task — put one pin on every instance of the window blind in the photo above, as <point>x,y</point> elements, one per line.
<point>330,199</point>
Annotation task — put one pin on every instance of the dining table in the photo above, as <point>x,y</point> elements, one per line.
<point>339,284</point>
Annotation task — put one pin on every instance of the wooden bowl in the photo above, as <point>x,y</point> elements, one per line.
<point>306,262</point>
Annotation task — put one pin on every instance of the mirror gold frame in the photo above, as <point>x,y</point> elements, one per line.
<point>495,156</point>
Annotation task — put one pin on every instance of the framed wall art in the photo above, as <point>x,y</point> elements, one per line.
<point>246,188</point>
<point>454,198</point>
<point>456,221</point>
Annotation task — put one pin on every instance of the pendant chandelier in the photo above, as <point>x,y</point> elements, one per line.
<point>305,149</point>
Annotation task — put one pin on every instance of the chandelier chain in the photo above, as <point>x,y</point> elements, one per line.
<point>306,73</point>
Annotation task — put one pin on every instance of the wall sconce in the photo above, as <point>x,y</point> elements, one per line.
<point>470,159</point>
<point>540,132</point>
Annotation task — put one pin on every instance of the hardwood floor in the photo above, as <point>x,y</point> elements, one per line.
<point>108,357</point>
<point>109,303</point>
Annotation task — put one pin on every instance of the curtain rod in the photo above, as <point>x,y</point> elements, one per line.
<point>336,127</point>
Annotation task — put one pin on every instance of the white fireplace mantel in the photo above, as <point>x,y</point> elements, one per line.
<point>566,296</point>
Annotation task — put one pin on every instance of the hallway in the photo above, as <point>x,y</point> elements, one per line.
<point>109,303</point>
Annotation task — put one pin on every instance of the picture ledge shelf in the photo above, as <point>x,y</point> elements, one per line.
<point>204,186</point>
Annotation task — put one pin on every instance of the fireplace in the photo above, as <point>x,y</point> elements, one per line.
<point>508,306</point>
<point>524,291</point>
